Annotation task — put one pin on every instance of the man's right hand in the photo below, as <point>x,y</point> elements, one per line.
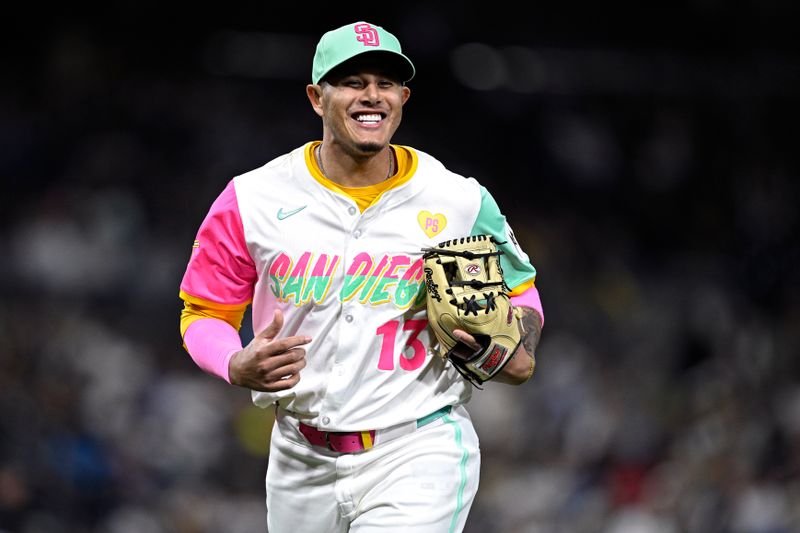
<point>269,364</point>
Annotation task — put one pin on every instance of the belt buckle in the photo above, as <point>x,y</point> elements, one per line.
<point>328,441</point>
<point>339,448</point>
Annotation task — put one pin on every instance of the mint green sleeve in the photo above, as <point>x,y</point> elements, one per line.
<point>517,267</point>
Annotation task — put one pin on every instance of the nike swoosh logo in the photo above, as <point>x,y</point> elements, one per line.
<point>286,214</point>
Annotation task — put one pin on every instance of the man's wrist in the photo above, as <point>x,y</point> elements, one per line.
<point>530,371</point>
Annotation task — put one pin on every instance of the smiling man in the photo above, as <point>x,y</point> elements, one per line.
<point>326,243</point>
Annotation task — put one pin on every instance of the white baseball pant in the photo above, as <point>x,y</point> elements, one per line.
<point>423,481</point>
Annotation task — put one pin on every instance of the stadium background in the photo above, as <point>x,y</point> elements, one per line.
<point>646,156</point>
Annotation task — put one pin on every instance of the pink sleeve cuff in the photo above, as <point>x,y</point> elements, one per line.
<point>211,343</point>
<point>530,298</point>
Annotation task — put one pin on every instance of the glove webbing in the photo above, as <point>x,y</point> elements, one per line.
<point>471,305</point>
<point>460,253</point>
<point>475,284</point>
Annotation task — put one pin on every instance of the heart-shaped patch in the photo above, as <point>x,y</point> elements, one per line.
<point>431,224</point>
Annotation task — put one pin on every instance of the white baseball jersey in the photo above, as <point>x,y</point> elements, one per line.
<point>350,280</point>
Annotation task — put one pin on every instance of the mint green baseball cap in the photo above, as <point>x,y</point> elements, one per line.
<point>339,45</point>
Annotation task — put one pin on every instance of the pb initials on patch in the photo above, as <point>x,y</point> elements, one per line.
<point>367,34</point>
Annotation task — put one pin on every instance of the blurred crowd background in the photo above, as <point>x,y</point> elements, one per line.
<point>646,157</point>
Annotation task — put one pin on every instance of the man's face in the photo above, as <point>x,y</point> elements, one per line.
<point>361,109</point>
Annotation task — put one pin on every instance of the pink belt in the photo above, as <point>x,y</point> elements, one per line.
<point>342,442</point>
<point>358,441</point>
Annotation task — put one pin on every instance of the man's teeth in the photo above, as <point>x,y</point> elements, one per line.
<point>368,118</point>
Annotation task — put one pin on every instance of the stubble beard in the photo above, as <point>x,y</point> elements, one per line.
<point>369,148</point>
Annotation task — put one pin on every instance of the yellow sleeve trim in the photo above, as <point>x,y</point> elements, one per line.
<point>196,308</point>
<point>522,288</point>
<point>186,297</point>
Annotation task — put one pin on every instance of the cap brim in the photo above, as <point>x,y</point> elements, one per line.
<point>392,63</point>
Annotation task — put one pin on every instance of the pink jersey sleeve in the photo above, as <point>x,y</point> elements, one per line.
<point>221,269</point>
<point>530,298</point>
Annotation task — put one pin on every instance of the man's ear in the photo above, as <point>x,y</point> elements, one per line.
<point>406,94</point>
<point>314,93</point>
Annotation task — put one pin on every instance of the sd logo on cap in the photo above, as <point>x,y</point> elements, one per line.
<point>342,44</point>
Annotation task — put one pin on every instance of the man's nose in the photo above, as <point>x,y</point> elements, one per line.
<point>371,93</point>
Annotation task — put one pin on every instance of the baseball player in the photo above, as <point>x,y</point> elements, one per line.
<point>325,244</point>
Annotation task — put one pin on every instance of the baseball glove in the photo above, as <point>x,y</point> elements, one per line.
<point>466,290</point>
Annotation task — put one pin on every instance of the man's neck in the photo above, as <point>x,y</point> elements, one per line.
<point>348,171</point>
